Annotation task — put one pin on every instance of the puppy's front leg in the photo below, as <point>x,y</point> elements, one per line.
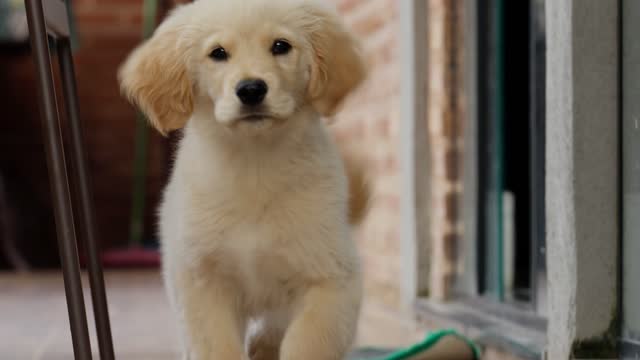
<point>324,326</point>
<point>213,321</point>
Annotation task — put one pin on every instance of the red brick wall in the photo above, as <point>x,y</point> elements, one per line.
<point>368,127</point>
<point>108,18</point>
<point>108,30</point>
<point>22,161</point>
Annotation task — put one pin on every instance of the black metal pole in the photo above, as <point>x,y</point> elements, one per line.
<point>86,213</point>
<point>59,181</point>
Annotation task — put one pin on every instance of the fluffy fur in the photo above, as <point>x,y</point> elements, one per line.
<point>256,218</point>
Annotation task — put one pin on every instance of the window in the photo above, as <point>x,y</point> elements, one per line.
<point>510,80</point>
<point>499,289</point>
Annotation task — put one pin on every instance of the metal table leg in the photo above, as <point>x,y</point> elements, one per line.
<point>86,209</point>
<point>59,182</point>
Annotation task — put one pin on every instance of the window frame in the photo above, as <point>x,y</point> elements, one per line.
<point>629,343</point>
<point>582,209</point>
<point>473,252</point>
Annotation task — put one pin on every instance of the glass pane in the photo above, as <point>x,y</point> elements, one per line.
<point>631,169</point>
<point>511,128</point>
<point>518,145</point>
<point>491,107</point>
<point>510,136</point>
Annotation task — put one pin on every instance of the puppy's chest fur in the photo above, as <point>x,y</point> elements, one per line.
<point>264,265</point>
<point>270,228</point>
<point>273,243</point>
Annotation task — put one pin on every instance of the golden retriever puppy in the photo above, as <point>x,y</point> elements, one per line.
<point>256,219</point>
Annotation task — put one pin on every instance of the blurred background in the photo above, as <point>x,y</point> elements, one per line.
<point>452,127</point>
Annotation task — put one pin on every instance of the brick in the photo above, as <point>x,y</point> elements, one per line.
<point>452,167</point>
<point>345,6</point>
<point>450,243</point>
<point>371,16</point>
<point>451,202</point>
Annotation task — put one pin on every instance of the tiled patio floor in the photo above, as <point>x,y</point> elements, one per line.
<point>34,322</point>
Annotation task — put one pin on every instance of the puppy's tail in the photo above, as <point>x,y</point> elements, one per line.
<point>359,191</point>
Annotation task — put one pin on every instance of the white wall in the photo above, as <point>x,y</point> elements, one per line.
<point>582,174</point>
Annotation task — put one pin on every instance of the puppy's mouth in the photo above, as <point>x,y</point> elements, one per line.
<point>258,115</point>
<point>255,117</point>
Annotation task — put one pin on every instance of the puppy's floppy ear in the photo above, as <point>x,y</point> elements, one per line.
<point>338,66</point>
<point>155,78</point>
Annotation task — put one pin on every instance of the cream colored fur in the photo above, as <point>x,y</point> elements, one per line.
<point>256,218</point>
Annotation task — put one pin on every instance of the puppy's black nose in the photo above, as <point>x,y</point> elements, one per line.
<point>251,91</point>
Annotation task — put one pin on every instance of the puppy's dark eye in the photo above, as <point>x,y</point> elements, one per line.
<point>219,54</point>
<point>280,47</point>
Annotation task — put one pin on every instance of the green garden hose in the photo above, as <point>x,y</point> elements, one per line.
<point>432,339</point>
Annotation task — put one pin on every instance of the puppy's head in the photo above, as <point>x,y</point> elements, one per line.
<point>244,62</point>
